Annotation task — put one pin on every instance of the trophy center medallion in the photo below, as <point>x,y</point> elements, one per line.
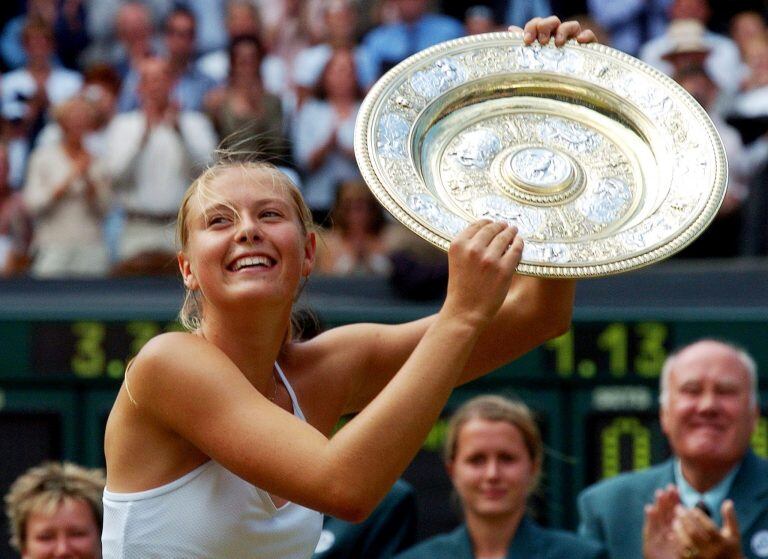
<point>540,170</point>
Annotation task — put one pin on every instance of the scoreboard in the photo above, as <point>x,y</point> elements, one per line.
<point>594,390</point>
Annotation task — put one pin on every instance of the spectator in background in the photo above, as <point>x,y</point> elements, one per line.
<point>723,236</point>
<point>709,409</point>
<point>389,44</point>
<point>479,19</point>
<point>747,27</point>
<point>687,18</point>
<point>241,19</point>
<point>341,26</point>
<point>100,88</point>
<point>189,84</point>
<point>358,242</point>
<point>246,117</point>
<point>152,154</point>
<point>15,224</point>
<point>55,510</point>
<point>12,37</point>
<point>493,453</point>
<point>136,39</point>
<point>28,92</point>
<point>67,193</point>
<point>630,23</point>
<point>323,135</point>
<point>752,100</point>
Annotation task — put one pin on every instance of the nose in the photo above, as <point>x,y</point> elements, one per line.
<point>707,402</point>
<point>249,230</point>
<point>62,547</point>
<point>492,469</point>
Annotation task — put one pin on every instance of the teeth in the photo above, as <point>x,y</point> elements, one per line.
<point>248,261</point>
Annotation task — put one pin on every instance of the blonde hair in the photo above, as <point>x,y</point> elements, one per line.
<point>201,191</point>
<point>497,408</point>
<point>45,488</point>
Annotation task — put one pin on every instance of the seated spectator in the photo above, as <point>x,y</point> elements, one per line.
<point>189,84</point>
<point>689,18</point>
<point>341,25</point>
<point>152,155</point>
<point>391,43</point>
<point>357,243</point>
<point>15,224</point>
<point>323,135</point>
<point>27,93</point>
<point>493,454</point>
<point>709,410</point>
<point>67,193</point>
<point>246,117</point>
<point>55,510</point>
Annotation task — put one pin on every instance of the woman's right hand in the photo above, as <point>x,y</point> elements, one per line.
<point>482,260</point>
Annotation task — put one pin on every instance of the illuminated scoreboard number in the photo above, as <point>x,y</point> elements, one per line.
<point>621,442</point>
<point>609,349</point>
<point>90,349</point>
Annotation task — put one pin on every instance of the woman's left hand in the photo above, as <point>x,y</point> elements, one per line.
<point>544,28</point>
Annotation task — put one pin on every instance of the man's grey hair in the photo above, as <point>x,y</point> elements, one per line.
<point>741,354</point>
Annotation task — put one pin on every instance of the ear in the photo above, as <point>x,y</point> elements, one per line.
<point>449,469</point>
<point>310,250</point>
<point>663,417</point>
<point>186,271</point>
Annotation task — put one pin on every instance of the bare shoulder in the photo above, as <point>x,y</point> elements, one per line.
<point>176,359</point>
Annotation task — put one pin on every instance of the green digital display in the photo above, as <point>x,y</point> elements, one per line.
<point>594,390</point>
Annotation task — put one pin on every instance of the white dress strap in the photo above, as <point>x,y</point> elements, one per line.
<point>296,408</point>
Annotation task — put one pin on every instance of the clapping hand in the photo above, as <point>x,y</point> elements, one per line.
<point>699,537</point>
<point>659,540</point>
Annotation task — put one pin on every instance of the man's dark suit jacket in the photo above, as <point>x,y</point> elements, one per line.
<point>611,511</point>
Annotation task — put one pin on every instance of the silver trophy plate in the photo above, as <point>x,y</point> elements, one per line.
<point>602,162</point>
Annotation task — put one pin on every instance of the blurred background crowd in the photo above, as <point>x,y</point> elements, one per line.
<point>110,108</point>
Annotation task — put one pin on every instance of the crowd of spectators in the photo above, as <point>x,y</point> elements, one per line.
<point>109,108</point>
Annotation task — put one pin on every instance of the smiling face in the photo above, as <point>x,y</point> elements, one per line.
<point>492,469</point>
<point>245,239</point>
<point>708,412</point>
<point>70,532</point>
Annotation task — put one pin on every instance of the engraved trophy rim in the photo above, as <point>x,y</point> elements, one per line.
<point>674,163</point>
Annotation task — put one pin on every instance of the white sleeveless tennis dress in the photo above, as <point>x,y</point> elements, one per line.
<point>208,513</point>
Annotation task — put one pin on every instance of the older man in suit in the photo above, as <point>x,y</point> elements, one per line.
<point>688,506</point>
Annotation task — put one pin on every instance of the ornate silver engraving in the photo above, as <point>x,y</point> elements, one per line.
<point>540,167</point>
<point>442,76</point>
<point>393,131</point>
<point>605,201</point>
<point>476,149</point>
<point>498,208</point>
<point>434,213</point>
<point>536,57</point>
<point>574,135</point>
<point>557,253</point>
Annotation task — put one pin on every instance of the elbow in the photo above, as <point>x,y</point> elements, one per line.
<point>561,323</point>
<point>350,504</point>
